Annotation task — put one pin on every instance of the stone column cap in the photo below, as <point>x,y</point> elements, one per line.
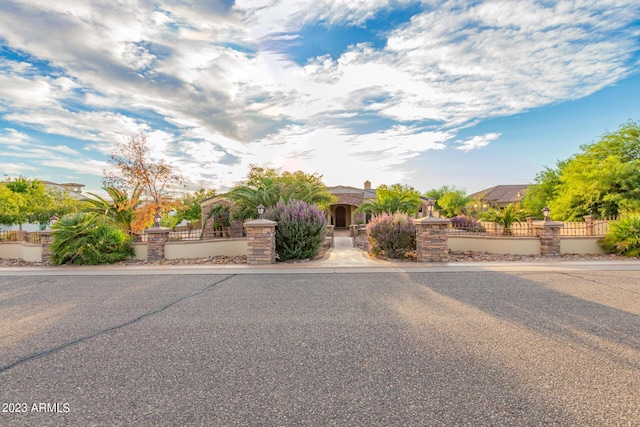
<point>260,223</point>
<point>157,230</point>
<point>548,224</point>
<point>432,220</point>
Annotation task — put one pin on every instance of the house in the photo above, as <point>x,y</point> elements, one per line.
<point>341,213</point>
<point>73,189</point>
<point>501,195</point>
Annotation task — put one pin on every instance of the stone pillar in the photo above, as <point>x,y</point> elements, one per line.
<point>432,239</point>
<point>590,223</point>
<point>549,234</point>
<point>156,238</point>
<point>46,238</point>
<point>261,241</point>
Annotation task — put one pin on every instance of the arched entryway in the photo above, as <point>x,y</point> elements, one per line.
<point>341,217</point>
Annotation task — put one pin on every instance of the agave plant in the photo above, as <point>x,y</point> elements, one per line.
<point>505,217</point>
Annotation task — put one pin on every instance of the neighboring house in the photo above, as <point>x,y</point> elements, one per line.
<point>71,188</point>
<point>340,214</point>
<point>501,195</point>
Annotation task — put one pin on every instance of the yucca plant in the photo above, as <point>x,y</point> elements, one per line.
<point>83,239</point>
<point>623,237</point>
<point>504,217</point>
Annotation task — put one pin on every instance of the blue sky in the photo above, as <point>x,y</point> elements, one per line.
<point>428,93</point>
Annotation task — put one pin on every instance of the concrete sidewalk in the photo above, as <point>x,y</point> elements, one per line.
<point>327,266</point>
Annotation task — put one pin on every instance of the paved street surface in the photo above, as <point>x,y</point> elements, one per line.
<point>440,348</point>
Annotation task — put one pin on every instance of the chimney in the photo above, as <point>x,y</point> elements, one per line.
<point>367,185</point>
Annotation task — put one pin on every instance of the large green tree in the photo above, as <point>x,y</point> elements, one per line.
<point>392,199</point>
<point>603,179</point>
<point>11,206</point>
<point>31,201</point>
<point>450,201</point>
<point>188,207</point>
<point>543,191</point>
<point>268,187</point>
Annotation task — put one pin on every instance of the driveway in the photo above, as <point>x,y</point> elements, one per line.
<point>441,348</point>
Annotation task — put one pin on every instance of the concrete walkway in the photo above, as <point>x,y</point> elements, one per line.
<point>343,254</point>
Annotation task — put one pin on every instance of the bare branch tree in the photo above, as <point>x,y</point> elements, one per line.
<point>134,171</point>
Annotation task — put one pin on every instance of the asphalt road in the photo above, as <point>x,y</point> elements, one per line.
<point>386,349</point>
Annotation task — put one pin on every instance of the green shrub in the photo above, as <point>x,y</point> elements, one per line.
<point>505,217</point>
<point>300,231</point>
<point>82,239</point>
<point>623,237</point>
<point>391,235</point>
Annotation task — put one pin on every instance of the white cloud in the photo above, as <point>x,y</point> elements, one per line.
<point>12,137</point>
<point>172,70</point>
<point>477,142</point>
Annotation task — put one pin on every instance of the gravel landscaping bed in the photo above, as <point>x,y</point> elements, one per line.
<point>456,256</point>
<point>182,261</point>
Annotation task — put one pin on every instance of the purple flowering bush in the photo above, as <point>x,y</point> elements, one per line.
<point>300,231</point>
<point>391,235</point>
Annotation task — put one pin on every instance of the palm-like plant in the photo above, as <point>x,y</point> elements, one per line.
<point>268,191</point>
<point>248,197</point>
<point>504,217</point>
<point>121,211</point>
<point>390,203</point>
<point>83,239</point>
<point>220,215</point>
<point>624,237</point>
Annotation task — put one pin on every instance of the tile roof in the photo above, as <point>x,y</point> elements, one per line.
<point>501,194</point>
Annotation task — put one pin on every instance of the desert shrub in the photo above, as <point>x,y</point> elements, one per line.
<point>623,237</point>
<point>82,239</point>
<point>391,235</point>
<point>300,231</point>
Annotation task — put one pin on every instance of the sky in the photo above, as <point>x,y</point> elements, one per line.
<point>428,93</point>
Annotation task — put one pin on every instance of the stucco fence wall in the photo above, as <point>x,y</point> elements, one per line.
<point>236,247</point>
<point>30,252</point>
<point>522,245</point>
<point>196,249</point>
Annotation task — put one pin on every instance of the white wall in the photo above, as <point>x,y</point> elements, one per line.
<point>580,245</point>
<point>496,245</point>
<point>20,250</point>
<point>206,248</point>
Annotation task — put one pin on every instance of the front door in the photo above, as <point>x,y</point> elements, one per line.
<point>341,216</point>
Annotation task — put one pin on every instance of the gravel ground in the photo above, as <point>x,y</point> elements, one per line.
<point>457,256</point>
